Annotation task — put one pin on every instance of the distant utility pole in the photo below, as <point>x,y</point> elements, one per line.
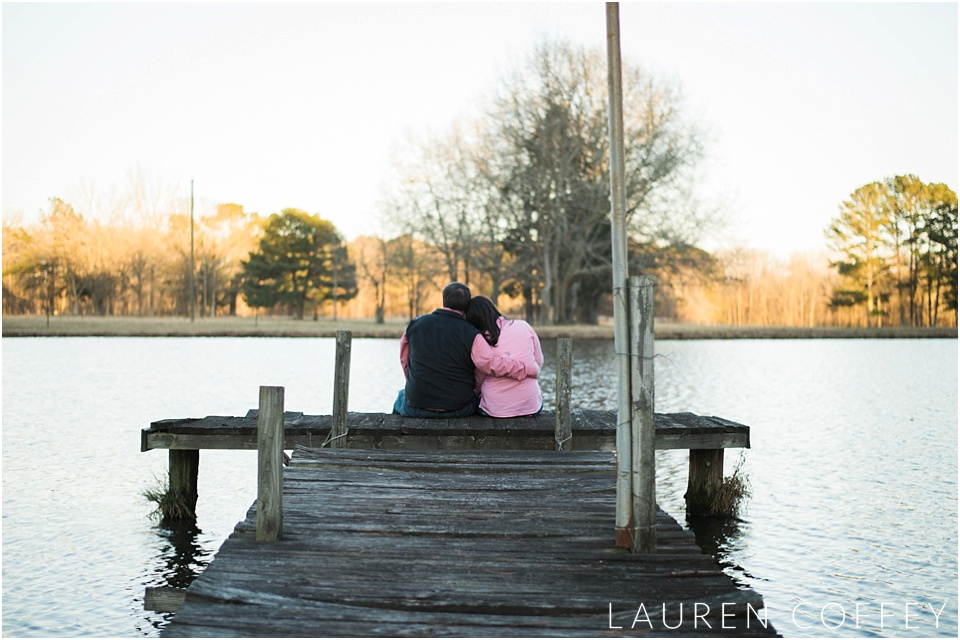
<point>193,280</point>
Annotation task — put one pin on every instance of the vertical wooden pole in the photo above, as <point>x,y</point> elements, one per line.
<point>642,425</point>
<point>564,383</point>
<point>270,464</point>
<point>703,480</point>
<point>184,467</point>
<point>341,391</point>
<point>621,322</point>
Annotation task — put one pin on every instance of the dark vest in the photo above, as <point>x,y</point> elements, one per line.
<point>440,371</point>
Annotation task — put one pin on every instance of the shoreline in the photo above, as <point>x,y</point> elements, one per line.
<point>270,327</point>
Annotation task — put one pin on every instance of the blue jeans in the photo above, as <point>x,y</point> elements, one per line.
<point>401,407</point>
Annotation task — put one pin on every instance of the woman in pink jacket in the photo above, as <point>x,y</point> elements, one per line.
<point>506,397</point>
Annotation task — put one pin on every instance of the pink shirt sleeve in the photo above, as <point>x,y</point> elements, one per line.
<point>488,361</point>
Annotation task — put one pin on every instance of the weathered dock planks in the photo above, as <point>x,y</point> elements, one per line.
<point>458,543</point>
<point>592,430</point>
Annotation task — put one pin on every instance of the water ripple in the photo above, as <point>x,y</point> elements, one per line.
<point>853,468</point>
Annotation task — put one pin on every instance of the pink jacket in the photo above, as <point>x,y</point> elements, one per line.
<point>507,397</point>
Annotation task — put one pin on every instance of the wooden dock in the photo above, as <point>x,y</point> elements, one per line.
<point>586,430</point>
<point>459,543</point>
<point>592,430</point>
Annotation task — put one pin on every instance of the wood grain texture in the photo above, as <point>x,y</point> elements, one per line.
<point>564,388</point>
<point>465,543</point>
<point>591,430</point>
<point>642,419</point>
<point>270,465</point>
<point>341,391</point>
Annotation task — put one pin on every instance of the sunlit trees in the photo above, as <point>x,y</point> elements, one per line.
<point>683,274</point>
<point>415,268</point>
<point>16,242</point>
<point>860,235</point>
<point>67,264</point>
<point>756,288</point>
<point>294,263</point>
<point>98,271</point>
<point>940,229</point>
<point>50,261</point>
<point>895,242</point>
<point>397,278</point>
<point>30,262</point>
<point>372,262</point>
<point>130,249</point>
<point>225,238</point>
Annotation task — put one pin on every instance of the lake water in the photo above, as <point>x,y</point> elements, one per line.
<point>851,530</point>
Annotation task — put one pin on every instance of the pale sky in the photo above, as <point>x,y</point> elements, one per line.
<point>300,105</point>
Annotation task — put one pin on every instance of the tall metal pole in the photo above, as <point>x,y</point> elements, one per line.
<point>621,335</point>
<point>193,279</point>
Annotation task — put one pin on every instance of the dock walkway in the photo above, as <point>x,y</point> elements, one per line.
<point>458,543</point>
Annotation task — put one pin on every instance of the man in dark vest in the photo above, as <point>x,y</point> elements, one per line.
<point>439,353</point>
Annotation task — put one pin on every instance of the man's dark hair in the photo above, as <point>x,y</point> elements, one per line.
<point>456,295</point>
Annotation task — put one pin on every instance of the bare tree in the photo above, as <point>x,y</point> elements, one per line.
<point>437,199</point>
<point>551,122</point>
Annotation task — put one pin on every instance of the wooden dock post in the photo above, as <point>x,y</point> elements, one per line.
<point>564,432</point>
<point>642,419</point>
<point>703,481</point>
<point>183,469</point>
<point>341,391</point>
<point>270,464</point>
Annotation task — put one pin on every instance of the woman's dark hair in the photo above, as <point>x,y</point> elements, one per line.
<point>483,314</point>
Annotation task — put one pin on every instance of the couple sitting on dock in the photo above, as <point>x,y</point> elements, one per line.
<point>467,358</point>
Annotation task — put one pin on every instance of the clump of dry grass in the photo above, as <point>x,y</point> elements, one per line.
<point>733,492</point>
<point>169,507</point>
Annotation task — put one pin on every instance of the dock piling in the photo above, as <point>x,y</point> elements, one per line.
<point>642,418</point>
<point>270,464</point>
<point>704,480</point>
<point>183,469</point>
<point>341,390</point>
<point>564,375</point>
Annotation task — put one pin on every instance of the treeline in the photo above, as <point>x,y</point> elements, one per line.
<point>66,265</point>
<point>514,203</point>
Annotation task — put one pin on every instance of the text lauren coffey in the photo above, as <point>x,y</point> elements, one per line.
<point>674,617</point>
<point>805,615</point>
